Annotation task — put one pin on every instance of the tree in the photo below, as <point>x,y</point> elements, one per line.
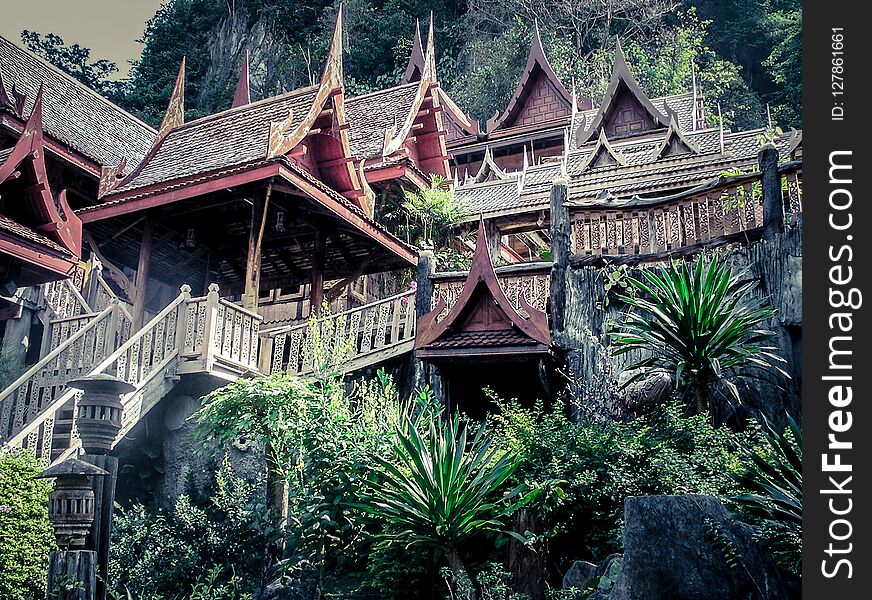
<point>73,59</point>
<point>698,325</point>
<point>433,214</point>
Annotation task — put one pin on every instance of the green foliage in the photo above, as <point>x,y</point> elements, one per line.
<point>221,548</point>
<point>26,536</point>
<point>441,486</point>
<point>700,325</point>
<point>774,498</point>
<point>432,214</point>
<point>583,471</point>
<point>72,59</point>
<point>492,584</point>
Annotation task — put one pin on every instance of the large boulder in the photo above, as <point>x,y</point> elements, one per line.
<point>682,547</point>
<point>304,583</point>
<point>583,575</point>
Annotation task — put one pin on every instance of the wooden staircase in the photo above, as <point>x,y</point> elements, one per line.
<point>202,335</point>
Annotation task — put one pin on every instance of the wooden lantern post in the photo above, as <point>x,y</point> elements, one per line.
<point>98,420</point>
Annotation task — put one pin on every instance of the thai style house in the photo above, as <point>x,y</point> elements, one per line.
<point>184,257</point>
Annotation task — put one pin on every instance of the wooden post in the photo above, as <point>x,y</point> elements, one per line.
<point>773,202</point>
<point>561,229</point>
<point>104,504</point>
<point>142,272</point>
<point>259,210</point>
<point>424,281</point>
<point>72,575</point>
<point>316,294</point>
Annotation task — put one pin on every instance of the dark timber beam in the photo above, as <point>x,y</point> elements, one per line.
<point>142,272</point>
<point>259,210</point>
<point>317,280</point>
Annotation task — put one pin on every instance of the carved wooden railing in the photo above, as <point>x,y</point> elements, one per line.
<point>65,299</point>
<point>725,209</point>
<point>87,343</point>
<point>532,280</point>
<point>363,336</point>
<point>220,333</point>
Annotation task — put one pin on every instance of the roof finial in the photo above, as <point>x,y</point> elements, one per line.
<point>693,76</point>
<point>456,177</point>
<point>768,116</point>
<point>526,161</point>
<point>175,114</point>
<point>416,59</point>
<point>721,125</point>
<point>243,92</point>
<point>430,54</point>
<point>532,154</point>
<point>333,70</point>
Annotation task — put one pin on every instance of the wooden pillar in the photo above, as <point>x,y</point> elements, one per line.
<point>72,575</point>
<point>316,294</point>
<point>773,201</point>
<point>142,272</point>
<point>259,210</point>
<point>424,283</point>
<point>561,229</point>
<point>104,504</point>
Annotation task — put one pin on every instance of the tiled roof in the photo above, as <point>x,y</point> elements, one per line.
<point>226,139</point>
<point>16,228</point>
<point>73,113</point>
<point>466,339</point>
<point>371,114</point>
<point>643,172</point>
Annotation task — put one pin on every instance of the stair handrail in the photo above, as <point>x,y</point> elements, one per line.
<point>83,306</point>
<point>184,296</point>
<point>289,328</point>
<point>36,368</point>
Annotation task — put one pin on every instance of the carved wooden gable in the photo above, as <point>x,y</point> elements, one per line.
<point>544,103</point>
<point>628,117</point>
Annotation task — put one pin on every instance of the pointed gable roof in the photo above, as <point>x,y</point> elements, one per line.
<point>482,321</point>
<point>416,60</point>
<point>243,91</point>
<point>603,155</point>
<point>676,143</point>
<point>540,95</point>
<point>489,170</point>
<point>32,203</point>
<point>625,109</point>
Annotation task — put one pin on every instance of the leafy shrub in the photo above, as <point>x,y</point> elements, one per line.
<point>220,548</point>
<point>585,470</point>
<point>26,536</point>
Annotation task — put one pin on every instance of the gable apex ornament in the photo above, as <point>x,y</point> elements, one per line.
<point>243,89</point>
<point>175,113</point>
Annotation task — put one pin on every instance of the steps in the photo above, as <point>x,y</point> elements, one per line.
<point>203,335</point>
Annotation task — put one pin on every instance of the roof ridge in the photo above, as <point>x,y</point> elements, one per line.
<point>78,83</point>
<point>375,92</point>
<point>239,109</point>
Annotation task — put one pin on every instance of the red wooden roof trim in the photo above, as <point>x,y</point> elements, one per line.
<point>416,60</point>
<point>463,121</point>
<point>40,256</point>
<point>38,198</point>
<point>621,77</point>
<point>175,113</point>
<point>62,150</point>
<point>482,273</point>
<point>536,61</point>
<point>243,91</point>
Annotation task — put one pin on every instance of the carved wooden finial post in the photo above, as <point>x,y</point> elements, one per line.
<point>773,201</point>
<point>561,248</point>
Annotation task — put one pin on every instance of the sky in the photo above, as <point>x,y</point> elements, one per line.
<point>109,28</point>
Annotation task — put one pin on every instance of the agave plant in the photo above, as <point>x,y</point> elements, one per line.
<point>441,487</point>
<point>699,325</point>
<point>773,482</point>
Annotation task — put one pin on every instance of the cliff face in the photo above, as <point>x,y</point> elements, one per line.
<point>274,66</point>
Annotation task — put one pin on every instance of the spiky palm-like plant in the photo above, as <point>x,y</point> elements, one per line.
<point>442,486</point>
<point>774,483</point>
<point>700,325</point>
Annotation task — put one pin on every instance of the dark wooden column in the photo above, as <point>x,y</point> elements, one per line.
<point>773,201</point>
<point>560,251</point>
<point>259,210</point>
<point>316,294</point>
<point>424,279</point>
<point>143,270</point>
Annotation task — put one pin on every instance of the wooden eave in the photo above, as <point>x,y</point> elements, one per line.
<point>482,279</point>
<point>63,151</point>
<point>621,79</point>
